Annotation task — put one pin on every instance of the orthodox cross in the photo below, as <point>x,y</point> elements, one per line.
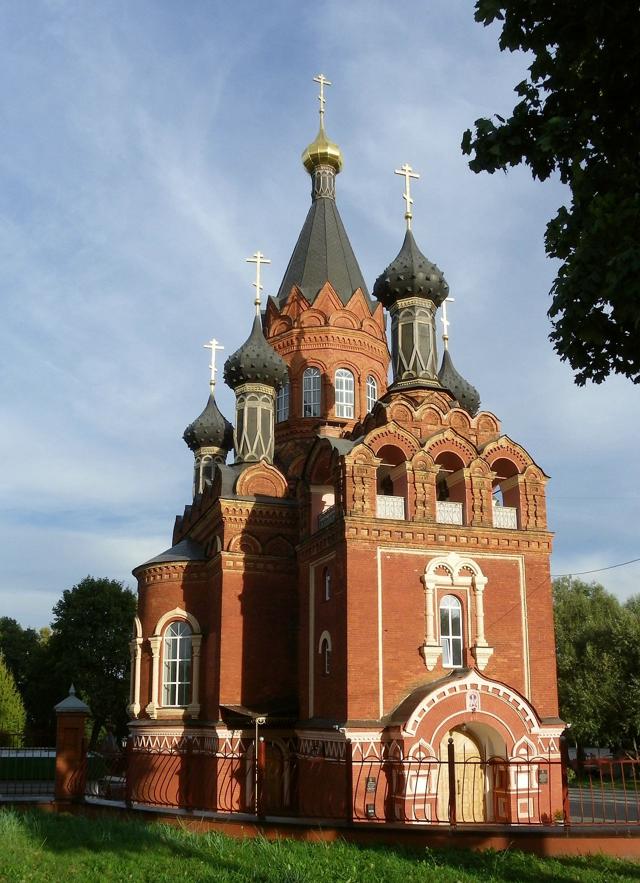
<point>320,78</point>
<point>214,346</point>
<point>258,258</point>
<point>445,321</point>
<point>407,172</point>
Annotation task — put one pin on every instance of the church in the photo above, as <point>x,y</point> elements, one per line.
<point>354,619</point>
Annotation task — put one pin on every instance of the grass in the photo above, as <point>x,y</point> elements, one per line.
<point>42,847</point>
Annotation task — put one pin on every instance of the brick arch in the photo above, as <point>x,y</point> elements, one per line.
<point>449,441</point>
<point>312,319</point>
<point>246,543</point>
<point>401,412</point>
<point>422,460</point>
<point>370,327</point>
<point>393,434</point>
<point>472,698</point>
<point>458,420</point>
<point>280,547</point>
<point>480,467</point>
<point>343,319</point>
<point>282,324</point>
<point>262,479</point>
<point>506,449</point>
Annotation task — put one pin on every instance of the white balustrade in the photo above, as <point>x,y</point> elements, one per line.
<point>390,507</point>
<point>505,516</point>
<point>448,512</point>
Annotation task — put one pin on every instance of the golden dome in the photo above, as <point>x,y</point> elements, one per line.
<point>320,152</point>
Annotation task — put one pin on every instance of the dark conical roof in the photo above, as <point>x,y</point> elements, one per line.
<point>255,362</point>
<point>323,254</point>
<point>411,274</point>
<point>210,429</point>
<point>467,395</point>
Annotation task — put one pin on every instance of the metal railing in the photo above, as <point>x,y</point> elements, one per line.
<point>390,507</point>
<point>283,780</point>
<point>448,512</point>
<point>25,771</point>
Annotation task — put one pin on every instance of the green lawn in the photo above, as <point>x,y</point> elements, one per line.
<point>42,847</point>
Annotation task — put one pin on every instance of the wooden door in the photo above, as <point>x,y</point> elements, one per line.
<point>469,778</point>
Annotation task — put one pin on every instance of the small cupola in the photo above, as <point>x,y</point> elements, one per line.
<point>412,288</point>
<point>255,372</point>
<point>210,436</point>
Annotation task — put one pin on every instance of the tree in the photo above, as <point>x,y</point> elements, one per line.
<point>12,714</point>
<point>89,646</point>
<point>18,646</point>
<point>578,116</point>
<point>598,653</point>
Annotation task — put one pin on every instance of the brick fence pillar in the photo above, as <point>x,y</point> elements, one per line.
<point>71,748</point>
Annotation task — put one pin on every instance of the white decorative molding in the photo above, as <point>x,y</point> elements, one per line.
<point>390,507</point>
<point>432,654</point>
<point>155,708</point>
<point>482,655</point>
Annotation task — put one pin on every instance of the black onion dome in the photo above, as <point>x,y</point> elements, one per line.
<point>210,429</point>
<point>467,395</point>
<point>411,274</point>
<point>255,362</point>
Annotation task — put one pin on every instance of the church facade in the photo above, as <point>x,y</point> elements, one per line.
<point>354,619</point>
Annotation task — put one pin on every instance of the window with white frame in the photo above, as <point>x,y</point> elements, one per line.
<point>372,392</point>
<point>451,631</point>
<point>311,393</point>
<point>345,393</point>
<point>282,403</point>
<point>325,653</point>
<point>176,673</point>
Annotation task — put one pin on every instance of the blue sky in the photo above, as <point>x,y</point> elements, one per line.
<point>147,149</point>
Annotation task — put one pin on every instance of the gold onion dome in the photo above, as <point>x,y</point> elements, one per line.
<point>322,152</point>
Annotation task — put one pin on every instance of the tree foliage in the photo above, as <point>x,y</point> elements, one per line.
<point>12,713</point>
<point>578,116</point>
<point>598,653</point>
<point>89,646</point>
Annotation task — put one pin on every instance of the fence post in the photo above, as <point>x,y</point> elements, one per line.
<point>71,747</point>
<point>451,763</point>
<point>564,765</point>
<point>128,772</point>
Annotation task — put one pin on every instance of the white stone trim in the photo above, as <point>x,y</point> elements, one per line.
<point>155,708</point>
<point>135,648</point>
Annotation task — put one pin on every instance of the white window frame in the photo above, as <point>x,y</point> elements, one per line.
<point>325,649</point>
<point>372,392</point>
<point>311,392</point>
<point>156,708</point>
<point>345,385</point>
<point>176,664</point>
<point>282,402</point>
<point>448,639</point>
<point>327,584</point>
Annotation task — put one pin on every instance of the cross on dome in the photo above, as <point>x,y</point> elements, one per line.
<point>214,346</point>
<point>445,321</point>
<point>258,259</point>
<point>408,173</point>
<point>323,81</point>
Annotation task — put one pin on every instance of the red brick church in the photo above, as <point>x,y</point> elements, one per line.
<point>356,607</point>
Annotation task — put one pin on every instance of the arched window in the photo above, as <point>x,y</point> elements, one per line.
<point>176,672</point>
<point>325,652</point>
<point>372,392</point>
<point>282,403</point>
<point>451,631</point>
<point>345,393</point>
<point>311,393</point>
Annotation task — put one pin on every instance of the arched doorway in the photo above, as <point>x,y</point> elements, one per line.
<point>467,771</point>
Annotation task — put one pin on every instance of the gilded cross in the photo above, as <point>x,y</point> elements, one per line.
<point>320,78</point>
<point>445,321</point>
<point>407,172</point>
<point>258,259</point>
<point>214,346</point>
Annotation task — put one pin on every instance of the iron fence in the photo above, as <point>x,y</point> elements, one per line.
<point>280,780</point>
<point>25,770</point>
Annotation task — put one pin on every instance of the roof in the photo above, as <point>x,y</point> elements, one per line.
<point>185,550</point>
<point>323,254</point>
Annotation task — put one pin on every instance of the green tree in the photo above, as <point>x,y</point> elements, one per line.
<point>12,713</point>
<point>578,116</point>
<point>598,654</point>
<point>19,646</point>
<point>89,646</point>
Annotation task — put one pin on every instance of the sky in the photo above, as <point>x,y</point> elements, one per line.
<point>147,150</point>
